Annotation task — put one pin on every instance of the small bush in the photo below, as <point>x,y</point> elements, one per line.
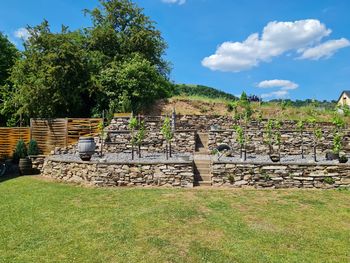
<point>33,148</point>
<point>20,151</point>
<point>231,179</point>
<point>329,180</point>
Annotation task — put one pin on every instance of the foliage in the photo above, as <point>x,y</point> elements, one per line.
<point>140,136</point>
<point>8,57</point>
<point>202,91</point>
<point>277,133</point>
<point>269,131</point>
<point>116,65</point>
<point>33,148</point>
<point>166,130</point>
<point>240,135</point>
<point>133,123</point>
<point>337,143</point>
<point>20,150</point>
<point>300,125</point>
<point>329,180</point>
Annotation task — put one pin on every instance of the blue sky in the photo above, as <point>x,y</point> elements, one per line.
<point>275,49</point>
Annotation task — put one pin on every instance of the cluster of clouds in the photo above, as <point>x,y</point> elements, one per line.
<point>179,2</point>
<point>303,37</point>
<point>283,88</point>
<point>22,33</point>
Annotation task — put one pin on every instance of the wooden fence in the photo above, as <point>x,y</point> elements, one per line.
<point>51,133</point>
<point>9,138</point>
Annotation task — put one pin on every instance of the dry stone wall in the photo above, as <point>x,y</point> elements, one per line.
<point>267,175</point>
<point>291,141</point>
<point>169,174</point>
<point>183,142</point>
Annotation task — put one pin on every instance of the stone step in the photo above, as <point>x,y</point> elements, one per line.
<point>203,183</point>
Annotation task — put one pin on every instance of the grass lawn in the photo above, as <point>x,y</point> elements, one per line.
<point>51,222</point>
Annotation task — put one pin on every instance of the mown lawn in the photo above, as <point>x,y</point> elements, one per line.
<point>44,221</point>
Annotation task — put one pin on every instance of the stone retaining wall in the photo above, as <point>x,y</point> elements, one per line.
<point>121,174</point>
<point>291,142</point>
<point>203,123</point>
<point>268,175</point>
<point>183,142</point>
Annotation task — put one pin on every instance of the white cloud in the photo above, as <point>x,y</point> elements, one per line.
<point>278,83</point>
<point>325,50</point>
<point>179,2</point>
<point>22,33</point>
<point>276,39</point>
<point>284,86</point>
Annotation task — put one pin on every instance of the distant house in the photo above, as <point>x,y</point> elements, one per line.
<point>344,98</point>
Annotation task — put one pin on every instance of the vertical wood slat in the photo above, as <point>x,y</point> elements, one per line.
<point>9,138</point>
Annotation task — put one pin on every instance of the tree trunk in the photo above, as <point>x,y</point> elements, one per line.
<point>315,154</point>
<point>132,152</point>
<point>302,146</point>
<point>170,149</point>
<point>166,152</point>
<point>139,150</point>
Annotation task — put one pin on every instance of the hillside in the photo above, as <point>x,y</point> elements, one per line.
<point>202,91</point>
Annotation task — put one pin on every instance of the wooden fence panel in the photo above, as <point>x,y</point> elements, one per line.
<point>82,127</point>
<point>9,138</point>
<point>49,133</point>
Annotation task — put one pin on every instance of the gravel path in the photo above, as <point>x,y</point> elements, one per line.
<point>124,158</point>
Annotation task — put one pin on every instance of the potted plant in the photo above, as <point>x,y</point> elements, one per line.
<point>21,155</point>
<point>167,133</point>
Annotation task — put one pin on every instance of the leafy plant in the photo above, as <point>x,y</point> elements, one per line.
<point>167,133</point>
<point>33,148</point>
<point>337,143</point>
<point>140,136</point>
<point>132,126</point>
<point>231,179</point>
<point>329,180</point>
<point>20,150</point>
<point>240,139</point>
<point>269,134</point>
<point>300,128</point>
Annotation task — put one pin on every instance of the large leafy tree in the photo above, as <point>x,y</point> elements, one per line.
<point>116,64</point>
<point>51,79</point>
<point>8,56</point>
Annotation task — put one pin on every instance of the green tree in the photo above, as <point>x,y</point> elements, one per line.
<point>8,57</point>
<point>51,80</point>
<point>168,135</point>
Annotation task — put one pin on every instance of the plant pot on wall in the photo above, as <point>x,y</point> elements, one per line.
<point>343,159</point>
<point>25,166</point>
<point>330,156</point>
<point>275,158</point>
<point>86,148</point>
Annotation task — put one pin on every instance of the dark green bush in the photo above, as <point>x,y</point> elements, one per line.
<point>20,151</point>
<point>33,148</point>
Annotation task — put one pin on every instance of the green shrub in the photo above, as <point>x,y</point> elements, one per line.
<point>33,148</point>
<point>329,180</point>
<point>231,179</point>
<point>20,151</point>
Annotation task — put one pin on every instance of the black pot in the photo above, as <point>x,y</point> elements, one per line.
<point>332,156</point>
<point>343,159</point>
<point>275,158</point>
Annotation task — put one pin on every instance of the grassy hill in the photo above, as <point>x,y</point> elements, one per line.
<point>202,91</point>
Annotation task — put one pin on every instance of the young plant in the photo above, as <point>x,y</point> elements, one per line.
<point>133,126</point>
<point>167,133</point>
<point>140,136</point>
<point>339,124</point>
<point>317,138</point>
<point>269,134</point>
<point>300,128</point>
<point>241,140</point>
<point>278,136</point>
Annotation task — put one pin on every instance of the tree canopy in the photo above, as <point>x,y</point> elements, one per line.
<point>116,64</point>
